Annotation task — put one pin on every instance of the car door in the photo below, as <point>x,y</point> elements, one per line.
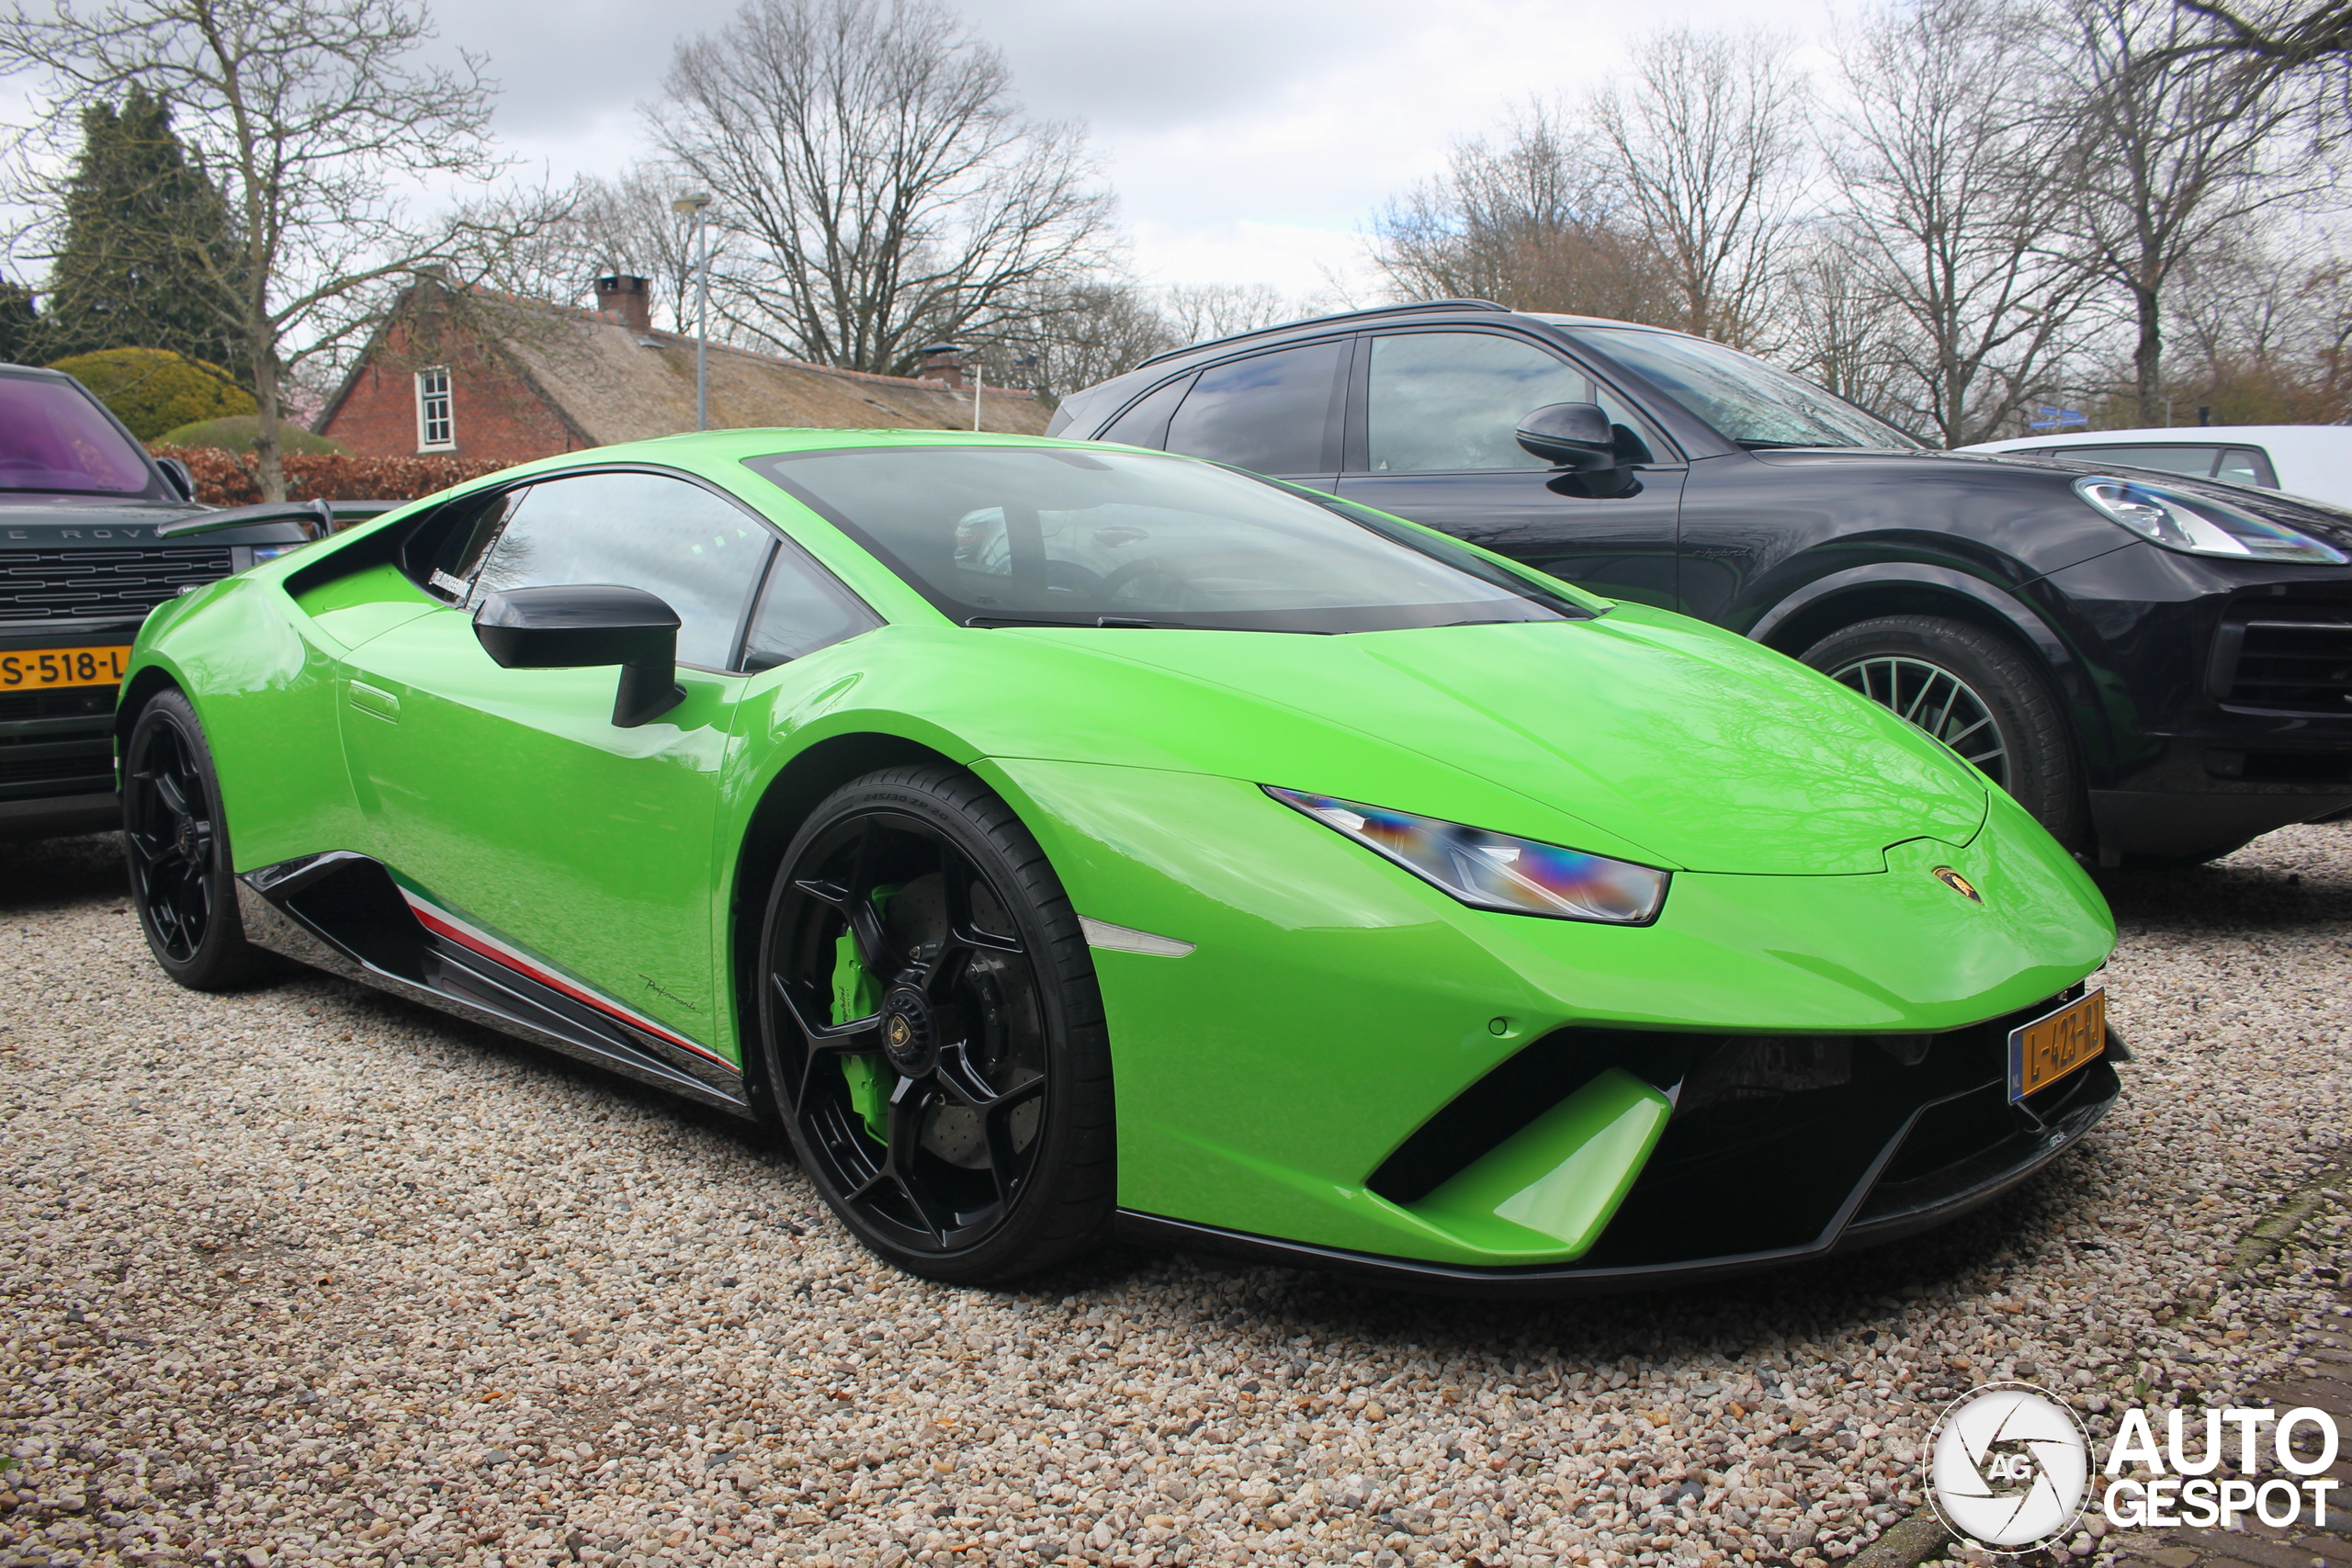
<point>1431,436</point>
<point>507,804</point>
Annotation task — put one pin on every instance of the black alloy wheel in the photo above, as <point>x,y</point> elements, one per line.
<point>176,845</point>
<point>935,1037</point>
<point>1976,693</point>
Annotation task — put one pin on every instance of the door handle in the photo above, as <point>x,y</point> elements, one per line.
<point>376,704</point>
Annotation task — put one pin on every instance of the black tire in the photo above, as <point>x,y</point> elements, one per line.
<point>1977,692</point>
<point>175,841</point>
<point>983,1004</point>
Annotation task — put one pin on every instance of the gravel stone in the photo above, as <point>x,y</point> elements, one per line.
<point>312,1276</point>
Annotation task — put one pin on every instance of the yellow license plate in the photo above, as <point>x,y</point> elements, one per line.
<point>34,668</point>
<point>2057,1043</point>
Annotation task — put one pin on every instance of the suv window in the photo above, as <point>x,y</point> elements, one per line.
<point>1146,424</point>
<point>1272,413</point>
<point>701,554</point>
<point>1453,400</point>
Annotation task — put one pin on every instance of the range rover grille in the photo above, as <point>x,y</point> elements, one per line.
<point>2295,667</point>
<point>100,584</point>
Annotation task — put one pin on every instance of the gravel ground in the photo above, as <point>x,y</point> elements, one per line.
<point>310,1275</point>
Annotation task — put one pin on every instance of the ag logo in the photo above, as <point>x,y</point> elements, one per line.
<point>1958,884</point>
<point>2008,1467</point>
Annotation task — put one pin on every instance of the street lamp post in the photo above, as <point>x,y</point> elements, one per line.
<point>696,202</point>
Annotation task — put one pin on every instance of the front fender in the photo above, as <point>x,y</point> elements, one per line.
<point>264,693</point>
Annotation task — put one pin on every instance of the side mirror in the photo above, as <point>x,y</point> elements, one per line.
<point>1570,435</point>
<point>181,479</point>
<point>570,627</point>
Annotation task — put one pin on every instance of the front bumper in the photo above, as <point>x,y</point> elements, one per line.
<point>1926,1172</point>
<point>2227,696</point>
<point>57,745</point>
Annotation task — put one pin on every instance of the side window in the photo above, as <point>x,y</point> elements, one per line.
<point>698,552</point>
<point>1272,413</point>
<point>802,608</point>
<point>1146,424</point>
<point>2247,465</point>
<point>1452,400</point>
<point>452,543</point>
<point>2197,460</point>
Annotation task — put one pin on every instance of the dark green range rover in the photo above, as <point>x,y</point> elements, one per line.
<point>82,561</point>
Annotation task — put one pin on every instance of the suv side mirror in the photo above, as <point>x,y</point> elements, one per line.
<point>1570,435</point>
<point>575,626</point>
<point>177,473</point>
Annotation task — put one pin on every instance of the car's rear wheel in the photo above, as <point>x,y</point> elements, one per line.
<point>1973,691</point>
<point>177,842</point>
<point>935,1035</point>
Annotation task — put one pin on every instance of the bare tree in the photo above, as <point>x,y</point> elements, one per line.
<point>1835,328</point>
<point>1071,338</point>
<point>628,225</point>
<point>2282,35</point>
<point>1199,312</point>
<point>1532,221</point>
<point>1707,146</point>
<point>2172,154</point>
<point>1956,211</point>
<point>884,184</point>
<point>309,115</point>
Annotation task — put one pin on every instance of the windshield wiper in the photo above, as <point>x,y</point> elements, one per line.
<point>1799,446</point>
<point>990,623</point>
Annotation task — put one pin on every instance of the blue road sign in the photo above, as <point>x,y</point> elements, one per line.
<point>2055,419</point>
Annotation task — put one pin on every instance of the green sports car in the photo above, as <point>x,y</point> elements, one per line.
<point>1062,841</point>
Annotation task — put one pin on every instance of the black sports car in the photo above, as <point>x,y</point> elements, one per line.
<point>88,547</point>
<point>2156,665</point>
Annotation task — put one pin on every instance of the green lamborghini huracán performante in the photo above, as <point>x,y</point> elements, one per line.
<point>1064,842</point>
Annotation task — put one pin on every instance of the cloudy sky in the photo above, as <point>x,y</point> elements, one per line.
<point>1248,140</point>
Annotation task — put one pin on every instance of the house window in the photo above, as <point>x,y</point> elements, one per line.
<point>434,430</point>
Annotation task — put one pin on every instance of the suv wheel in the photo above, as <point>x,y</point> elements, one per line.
<point>1974,692</point>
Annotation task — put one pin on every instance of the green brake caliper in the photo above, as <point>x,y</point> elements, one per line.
<point>857,995</point>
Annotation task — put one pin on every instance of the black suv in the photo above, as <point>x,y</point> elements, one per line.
<point>2157,666</point>
<point>82,558</point>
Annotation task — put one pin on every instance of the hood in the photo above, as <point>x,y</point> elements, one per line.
<point>63,522</point>
<point>1641,734</point>
<point>2330,525</point>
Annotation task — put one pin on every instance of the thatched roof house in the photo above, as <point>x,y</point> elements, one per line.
<point>490,376</point>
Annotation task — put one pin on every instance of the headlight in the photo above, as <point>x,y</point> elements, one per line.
<point>1494,870</point>
<point>2199,526</point>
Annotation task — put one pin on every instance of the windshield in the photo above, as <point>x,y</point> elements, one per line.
<point>1745,400</point>
<point>54,439</point>
<point>1014,535</point>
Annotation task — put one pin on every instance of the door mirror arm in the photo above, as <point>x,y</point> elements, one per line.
<point>581,625</point>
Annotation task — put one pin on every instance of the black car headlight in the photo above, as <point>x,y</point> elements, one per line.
<point>2198,525</point>
<point>1493,871</point>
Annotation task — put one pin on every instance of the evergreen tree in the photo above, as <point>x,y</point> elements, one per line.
<point>148,258</point>
<point>19,327</point>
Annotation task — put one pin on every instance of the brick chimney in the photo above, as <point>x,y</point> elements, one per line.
<point>942,362</point>
<point>630,298</point>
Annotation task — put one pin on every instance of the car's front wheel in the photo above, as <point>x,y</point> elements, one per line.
<point>934,1032</point>
<point>177,842</point>
<point>1974,692</point>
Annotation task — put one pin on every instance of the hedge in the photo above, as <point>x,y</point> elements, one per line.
<point>237,432</point>
<point>226,479</point>
<point>153,390</point>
